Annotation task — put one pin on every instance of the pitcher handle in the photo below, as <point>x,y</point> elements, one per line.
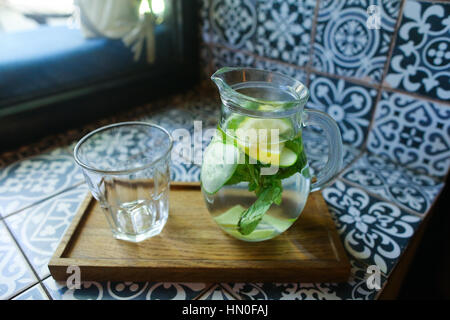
<point>334,162</point>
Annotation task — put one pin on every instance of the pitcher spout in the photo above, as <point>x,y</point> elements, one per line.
<point>220,76</point>
<point>260,93</point>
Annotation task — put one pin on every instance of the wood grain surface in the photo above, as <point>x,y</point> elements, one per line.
<point>192,248</point>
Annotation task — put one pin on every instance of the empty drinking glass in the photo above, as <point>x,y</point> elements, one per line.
<point>126,166</point>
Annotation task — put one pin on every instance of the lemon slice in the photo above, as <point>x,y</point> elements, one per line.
<point>254,137</point>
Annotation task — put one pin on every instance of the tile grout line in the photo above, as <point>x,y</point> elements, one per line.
<point>377,196</point>
<point>309,70</point>
<point>412,170</point>
<point>43,200</point>
<point>45,288</point>
<point>204,291</point>
<point>354,81</point>
<point>37,284</point>
<point>23,290</point>
<point>434,1</point>
<point>416,96</point>
<point>312,42</point>
<point>393,42</point>
<point>385,71</point>
<point>230,292</point>
<point>30,266</point>
<point>351,163</point>
<point>257,57</point>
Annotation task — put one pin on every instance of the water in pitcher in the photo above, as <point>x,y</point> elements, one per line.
<point>255,176</point>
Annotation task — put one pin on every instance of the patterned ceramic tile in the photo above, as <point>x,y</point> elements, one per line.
<point>291,71</point>
<point>172,118</point>
<point>30,180</point>
<point>223,57</point>
<point>125,290</point>
<point>205,27</point>
<point>233,21</point>
<point>355,288</point>
<point>184,172</point>
<point>284,30</point>
<point>34,293</point>
<point>317,150</point>
<point>216,292</point>
<point>394,182</point>
<point>372,231</point>
<point>39,229</point>
<point>15,273</point>
<point>279,30</point>
<point>344,44</point>
<point>349,104</point>
<point>420,62</point>
<point>413,133</point>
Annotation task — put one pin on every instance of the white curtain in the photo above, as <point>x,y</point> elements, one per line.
<point>119,19</point>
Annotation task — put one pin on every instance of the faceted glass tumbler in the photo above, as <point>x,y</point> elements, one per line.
<point>126,166</point>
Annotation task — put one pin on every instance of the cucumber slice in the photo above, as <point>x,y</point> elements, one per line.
<point>219,164</point>
<point>230,218</point>
<point>256,235</point>
<point>287,158</point>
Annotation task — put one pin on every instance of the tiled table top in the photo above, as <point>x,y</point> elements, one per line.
<point>376,203</point>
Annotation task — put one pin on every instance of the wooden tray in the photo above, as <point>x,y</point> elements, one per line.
<point>192,248</point>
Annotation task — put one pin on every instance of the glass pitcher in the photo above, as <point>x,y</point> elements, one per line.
<point>255,176</point>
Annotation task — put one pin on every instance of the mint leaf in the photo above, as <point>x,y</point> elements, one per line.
<point>251,217</point>
<point>240,175</point>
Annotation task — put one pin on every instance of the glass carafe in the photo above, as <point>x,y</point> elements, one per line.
<point>255,176</point>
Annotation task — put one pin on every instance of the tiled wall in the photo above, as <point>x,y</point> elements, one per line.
<point>388,88</point>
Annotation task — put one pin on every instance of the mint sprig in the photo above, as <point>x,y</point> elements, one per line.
<point>251,217</point>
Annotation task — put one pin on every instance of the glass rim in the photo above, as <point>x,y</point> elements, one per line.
<point>300,99</point>
<point>120,124</point>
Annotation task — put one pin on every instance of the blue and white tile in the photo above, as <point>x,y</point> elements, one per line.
<point>420,61</point>
<point>223,57</point>
<point>355,288</point>
<point>39,229</point>
<point>279,30</point>
<point>351,105</point>
<point>346,46</point>
<point>206,110</point>
<point>372,231</point>
<point>15,274</point>
<point>90,290</point>
<point>216,292</point>
<point>233,22</point>
<point>32,179</point>
<point>34,293</point>
<point>185,171</point>
<point>316,148</point>
<point>205,27</point>
<point>283,30</point>
<point>172,118</point>
<point>412,132</point>
<point>285,69</point>
<point>381,176</point>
